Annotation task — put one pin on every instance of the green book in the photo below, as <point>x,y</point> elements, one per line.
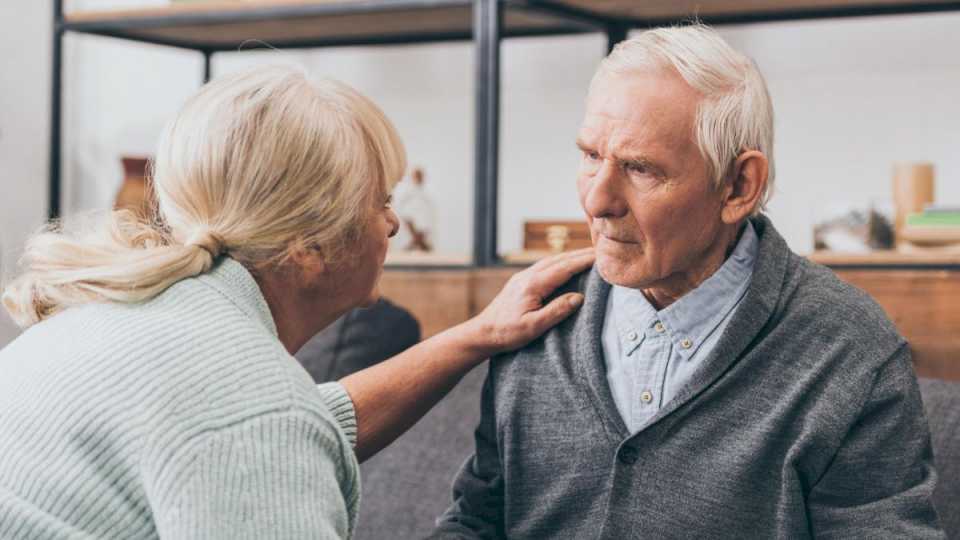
<point>934,219</point>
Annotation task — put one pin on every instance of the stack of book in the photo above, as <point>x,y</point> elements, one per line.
<point>935,227</point>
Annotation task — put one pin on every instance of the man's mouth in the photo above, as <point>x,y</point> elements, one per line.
<point>619,239</point>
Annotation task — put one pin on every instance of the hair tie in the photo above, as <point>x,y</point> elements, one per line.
<point>207,240</point>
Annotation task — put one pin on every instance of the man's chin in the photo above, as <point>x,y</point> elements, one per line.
<point>618,273</point>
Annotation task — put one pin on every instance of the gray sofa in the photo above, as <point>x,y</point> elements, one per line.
<point>941,399</point>
<point>407,485</point>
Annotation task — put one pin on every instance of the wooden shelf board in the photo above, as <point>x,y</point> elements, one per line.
<point>887,258</point>
<point>226,25</point>
<point>527,256</point>
<point>658,10</point>
<point>402,258</point>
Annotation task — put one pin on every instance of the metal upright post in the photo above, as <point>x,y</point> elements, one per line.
<point>615,34</point>
<point>487,24</point>
<point>56,113</point>
<point>207,67</point>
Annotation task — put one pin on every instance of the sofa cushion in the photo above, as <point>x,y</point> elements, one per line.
<point>406,486</point>
<point>358,340</point>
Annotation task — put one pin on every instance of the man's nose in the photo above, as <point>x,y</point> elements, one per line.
<point>603,198</point>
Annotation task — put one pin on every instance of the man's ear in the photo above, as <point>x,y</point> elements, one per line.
<point>746,186</point>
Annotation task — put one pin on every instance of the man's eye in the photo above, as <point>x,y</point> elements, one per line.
<point>591,155</point>
<point>636,168</point>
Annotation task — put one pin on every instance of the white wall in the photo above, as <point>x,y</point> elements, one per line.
<point>24,117</point>
<point>851,97</point>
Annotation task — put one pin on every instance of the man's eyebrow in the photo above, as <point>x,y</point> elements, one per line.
<point>581,144</point>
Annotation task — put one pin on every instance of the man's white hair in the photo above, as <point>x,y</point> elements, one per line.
<point>735,113</point>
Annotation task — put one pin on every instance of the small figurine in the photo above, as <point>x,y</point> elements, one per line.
<point>417,213</point>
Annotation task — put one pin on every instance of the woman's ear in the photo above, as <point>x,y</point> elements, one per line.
<point>308,260</point>
<point>747,185</point>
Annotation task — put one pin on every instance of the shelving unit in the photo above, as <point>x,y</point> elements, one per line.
<point>214,27</point>
<point>890,259</point>
<point>918,291</point>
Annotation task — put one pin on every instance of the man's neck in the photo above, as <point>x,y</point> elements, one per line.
<point>672,288</point>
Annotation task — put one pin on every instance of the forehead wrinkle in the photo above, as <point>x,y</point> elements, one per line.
<point>631,137</point>
<point>653,122</point>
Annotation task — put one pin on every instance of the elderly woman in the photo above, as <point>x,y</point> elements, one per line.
<point>154,392</point>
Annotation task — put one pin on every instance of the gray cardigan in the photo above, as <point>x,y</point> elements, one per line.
<point>804,421</point>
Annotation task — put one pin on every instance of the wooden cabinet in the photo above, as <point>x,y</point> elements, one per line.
<point>925,306</point>
<point>924,303</point>
<point>440,299</point>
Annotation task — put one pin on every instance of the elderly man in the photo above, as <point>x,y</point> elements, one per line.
<point>715,384</point>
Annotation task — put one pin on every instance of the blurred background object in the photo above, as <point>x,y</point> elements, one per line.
<point>913,189</point>
<point>417,213</point>
<point>853,229</point>
<point>136,190</point>
<point>555,236</point>
<point>923,226</point>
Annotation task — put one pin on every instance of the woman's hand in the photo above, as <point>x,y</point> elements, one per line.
<point>518,315</point>
<point>391,396</point>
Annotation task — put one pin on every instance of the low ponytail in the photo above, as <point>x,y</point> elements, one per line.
<point>113,257</point>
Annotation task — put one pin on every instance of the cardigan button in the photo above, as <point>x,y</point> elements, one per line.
<point>628,455</point>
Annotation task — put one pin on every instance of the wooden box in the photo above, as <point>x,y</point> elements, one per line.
<point>555,236</point>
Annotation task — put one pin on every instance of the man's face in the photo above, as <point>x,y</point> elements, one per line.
<point>653,212</point>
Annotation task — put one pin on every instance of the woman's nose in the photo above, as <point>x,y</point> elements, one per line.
<point>394,222</point>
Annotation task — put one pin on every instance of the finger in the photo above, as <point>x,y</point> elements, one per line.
<point>550,315</point>
<point>576,258</point>
<point>547,280</point>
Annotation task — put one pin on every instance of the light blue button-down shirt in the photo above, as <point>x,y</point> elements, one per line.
<point>650,355</point>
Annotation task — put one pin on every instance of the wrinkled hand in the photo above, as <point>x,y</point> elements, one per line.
<point>518,315</point>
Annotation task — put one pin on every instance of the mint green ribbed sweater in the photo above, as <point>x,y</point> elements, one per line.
<point>182,417</point>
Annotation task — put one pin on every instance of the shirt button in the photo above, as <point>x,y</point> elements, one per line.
<point>628,455</point>
<point>659,327</point>
<point>632,336</point>
<point>646,396</point>
<point>686,344</point>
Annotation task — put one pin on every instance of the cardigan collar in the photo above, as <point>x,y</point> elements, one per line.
<point>758,305</point>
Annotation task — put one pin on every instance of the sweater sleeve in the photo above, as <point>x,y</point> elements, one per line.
<point>336,398</point>
<point>283,475</point>
<point>880,482</point>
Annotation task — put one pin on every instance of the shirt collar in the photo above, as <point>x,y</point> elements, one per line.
<point>696,315</point>
<point>232,280</point>
<point>633,317</point>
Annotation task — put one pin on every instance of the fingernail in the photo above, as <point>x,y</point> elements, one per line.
<point>576,300</point>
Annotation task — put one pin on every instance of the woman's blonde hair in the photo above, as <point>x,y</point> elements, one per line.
<point>256,165</point>
<point>736,112</point>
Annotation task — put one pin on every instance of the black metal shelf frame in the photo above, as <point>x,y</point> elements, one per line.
<point>488,30</point>
<point>487,33</point>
